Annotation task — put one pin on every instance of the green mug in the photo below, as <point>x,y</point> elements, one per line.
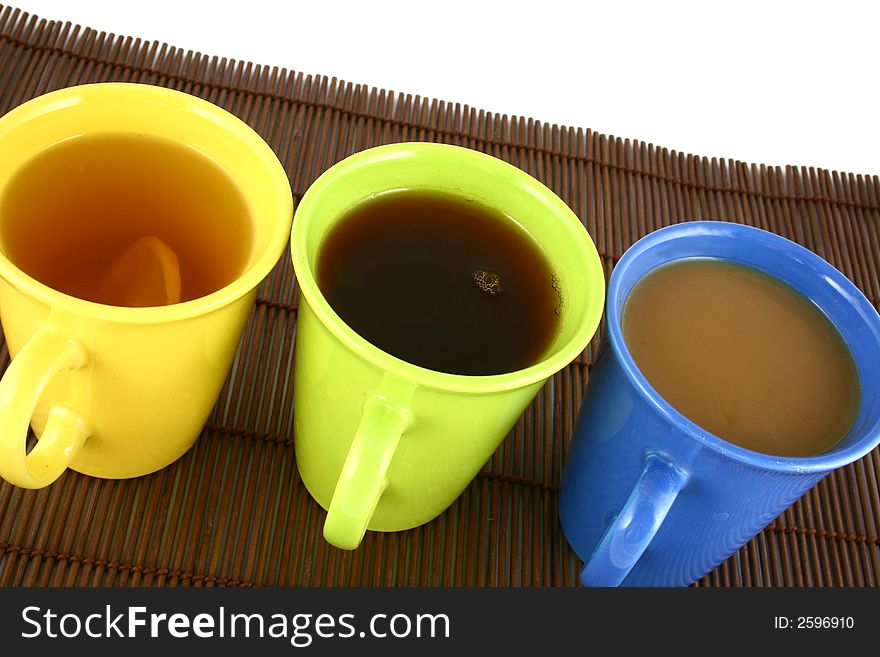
<point>383,444</point>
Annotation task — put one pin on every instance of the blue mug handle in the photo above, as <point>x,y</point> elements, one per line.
<point>627,537</point>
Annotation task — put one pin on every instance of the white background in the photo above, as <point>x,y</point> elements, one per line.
<point>771,82</point>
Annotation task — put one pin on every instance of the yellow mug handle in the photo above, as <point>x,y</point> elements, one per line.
<point>363,477</point>
<point>45,354</point>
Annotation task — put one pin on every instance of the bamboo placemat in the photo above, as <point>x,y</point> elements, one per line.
<point>233,511</point>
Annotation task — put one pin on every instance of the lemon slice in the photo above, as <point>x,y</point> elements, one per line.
<point>147,273</point>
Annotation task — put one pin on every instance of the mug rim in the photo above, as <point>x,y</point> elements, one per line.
<point>179,101</point>
<point>823,462</point>
<point>568,224</point>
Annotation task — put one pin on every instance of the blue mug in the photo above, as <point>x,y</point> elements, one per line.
<point>649,498</point>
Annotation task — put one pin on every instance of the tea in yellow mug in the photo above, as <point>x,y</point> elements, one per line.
<point>387,445</point>
<point>116,391</point>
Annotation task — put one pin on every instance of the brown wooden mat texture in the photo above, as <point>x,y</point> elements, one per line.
<point>233,510</point>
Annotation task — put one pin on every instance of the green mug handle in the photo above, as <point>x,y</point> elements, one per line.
<point>363,477</point>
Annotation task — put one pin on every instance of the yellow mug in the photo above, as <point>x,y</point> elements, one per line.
<point>112,391</point>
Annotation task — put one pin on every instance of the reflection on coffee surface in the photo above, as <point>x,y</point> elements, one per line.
<point>126,220</point>
<point>441,282</point>
<point>742,355</point>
